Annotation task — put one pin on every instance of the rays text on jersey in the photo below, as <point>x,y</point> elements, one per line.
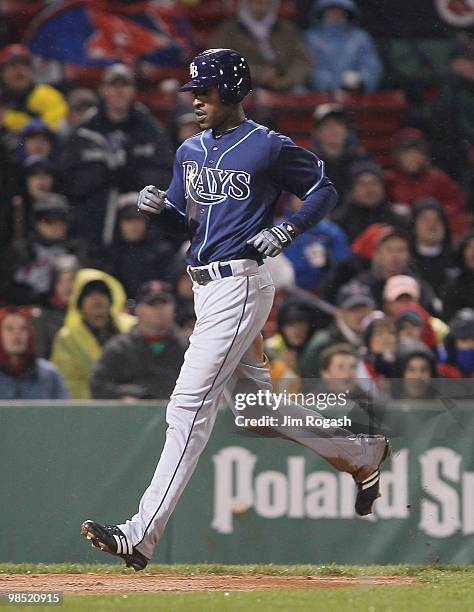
<point>213,185</point>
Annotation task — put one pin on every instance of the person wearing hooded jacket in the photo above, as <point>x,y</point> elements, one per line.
<point>431,243</point>
<point>95,314</point>
<point>458,360</point>
<point>377,354</point>
<point>367,201</point>
<point>345,56</point>
<point>23,375</point>
<point>296,324</point>
<point>137,255</point>
<point>415,369</point>
<point>458,293</point>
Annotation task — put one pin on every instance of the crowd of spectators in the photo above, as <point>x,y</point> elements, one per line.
<point>95,301</point>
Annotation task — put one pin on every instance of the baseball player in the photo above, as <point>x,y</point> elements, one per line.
<point>226,183</point>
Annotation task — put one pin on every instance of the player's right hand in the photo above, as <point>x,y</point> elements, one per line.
<point>270,242</point>
<point>151,200</point>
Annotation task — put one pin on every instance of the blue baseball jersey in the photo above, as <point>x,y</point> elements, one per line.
<point>225,188</point>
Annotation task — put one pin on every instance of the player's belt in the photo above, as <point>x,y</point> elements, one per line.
<point>206,274</point>
<point>202,276</point>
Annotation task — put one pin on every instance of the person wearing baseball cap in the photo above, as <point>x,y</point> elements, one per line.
<point>334,141</point>
<point>144,362</point>
<point>354,302</point>
<point>118,147</point>
<point>21,98</point>
<point>401,287</point>
<point>154,291</point>
<point>36,138</point>
<point>81,102</point>
<point>27,266</point>
<point>403,290</point>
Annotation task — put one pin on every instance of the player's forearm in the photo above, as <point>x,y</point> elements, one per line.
<point>171,222</point>
<point>314,208</point>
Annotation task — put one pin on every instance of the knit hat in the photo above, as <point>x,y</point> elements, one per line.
<point>365,167</point>
<point>372,237</point>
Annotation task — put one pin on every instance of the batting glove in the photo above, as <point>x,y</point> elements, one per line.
<point>270,242</point>
<point>151,200</point>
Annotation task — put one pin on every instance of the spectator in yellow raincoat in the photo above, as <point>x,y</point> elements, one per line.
<point>94,315</point>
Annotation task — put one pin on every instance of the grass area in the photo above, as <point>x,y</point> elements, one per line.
<point>438,589</point>
<point>455,597</point>
<point>427,571</point>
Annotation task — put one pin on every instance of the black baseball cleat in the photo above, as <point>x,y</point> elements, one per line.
<point>110,539</point>
<point>368,490</point>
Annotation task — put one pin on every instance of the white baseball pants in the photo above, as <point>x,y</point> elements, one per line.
<point>230,314</point>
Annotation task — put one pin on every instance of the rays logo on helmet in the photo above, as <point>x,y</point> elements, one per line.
<point>212,185</point>
<point>193,69</point>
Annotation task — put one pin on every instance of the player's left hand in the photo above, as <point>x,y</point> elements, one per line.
<point>151,200</point>
<point>270,242</point>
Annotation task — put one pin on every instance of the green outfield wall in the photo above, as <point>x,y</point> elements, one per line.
<point>251,499</point>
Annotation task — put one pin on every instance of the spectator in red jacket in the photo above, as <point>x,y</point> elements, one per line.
<point>413,176</point>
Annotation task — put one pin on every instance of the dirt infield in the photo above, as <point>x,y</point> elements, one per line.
<point>92,583</point>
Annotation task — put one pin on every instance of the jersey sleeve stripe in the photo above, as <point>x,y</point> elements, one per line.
<point>318,182</point>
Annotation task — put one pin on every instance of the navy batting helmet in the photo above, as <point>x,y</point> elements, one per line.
<point>222,67</point>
